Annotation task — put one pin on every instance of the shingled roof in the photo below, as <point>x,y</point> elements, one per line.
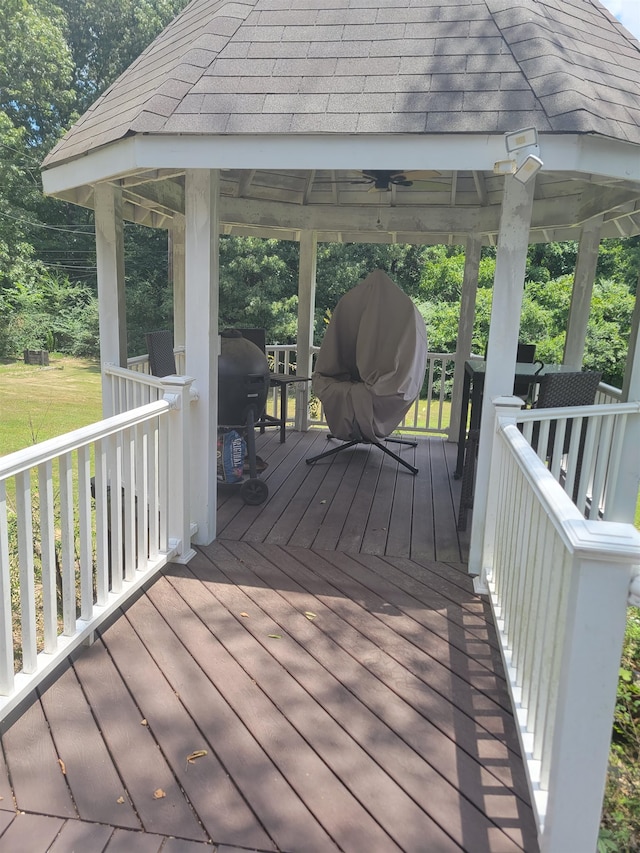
<point>363,67</point>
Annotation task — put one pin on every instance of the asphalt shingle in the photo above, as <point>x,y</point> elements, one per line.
<point>375,66</point>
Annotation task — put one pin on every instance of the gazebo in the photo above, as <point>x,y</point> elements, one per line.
<point>413,121</point>
<point>266,119</point>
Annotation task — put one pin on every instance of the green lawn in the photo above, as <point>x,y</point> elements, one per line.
<point>37,403</point>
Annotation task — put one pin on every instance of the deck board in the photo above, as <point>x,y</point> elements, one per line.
<point>374,719</point>
<point>357,500</point>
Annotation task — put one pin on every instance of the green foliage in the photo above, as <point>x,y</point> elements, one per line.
<point>106,36</point>
<point>45,312</point>
<point>35,69</point>
<point>620,830</point>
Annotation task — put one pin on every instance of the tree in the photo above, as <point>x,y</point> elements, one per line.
<point>35,70</point>
<point>106,36</point>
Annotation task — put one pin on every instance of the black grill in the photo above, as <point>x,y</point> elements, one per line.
<point>243,380</point>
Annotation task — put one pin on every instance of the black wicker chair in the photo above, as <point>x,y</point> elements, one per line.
<point>560,390</point>
<point>162,361</point>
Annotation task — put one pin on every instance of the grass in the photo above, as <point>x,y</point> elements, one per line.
<point>37,403</point>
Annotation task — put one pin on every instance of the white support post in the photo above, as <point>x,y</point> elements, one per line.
<point>177,393</point>
<point>110,273</point>
<point>621,505</point>
<point>473,250</point>
<point>201,341</point>
<point>306,315</point>
<point>583,279</point>
<point>176,268</point>
<point>506,411</point>
<point>597,597</point>
<point>508,288</point>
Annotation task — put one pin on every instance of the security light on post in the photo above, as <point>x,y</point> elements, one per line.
<point>525,161</point>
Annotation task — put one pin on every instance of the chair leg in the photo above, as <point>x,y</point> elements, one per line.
<point>384,449</point>
<point>393,455</point>
<point>409,442</point>
<point>331,452</point>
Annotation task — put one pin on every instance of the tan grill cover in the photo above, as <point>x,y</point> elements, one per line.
<point>372,361</point>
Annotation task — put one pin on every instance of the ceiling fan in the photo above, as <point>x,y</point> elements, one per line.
<point>382,180</point>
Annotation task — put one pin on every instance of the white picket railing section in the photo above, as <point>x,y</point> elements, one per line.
<point>85,519</point>
<point>590,467</point>
<point>431,415</point>
<point>559,587</point>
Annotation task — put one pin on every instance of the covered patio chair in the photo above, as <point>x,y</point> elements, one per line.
<point>371,365</point>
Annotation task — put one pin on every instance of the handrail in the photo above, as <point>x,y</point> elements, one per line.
<point>559,586</point>
<point>588,471</point>
<point>99,510</point>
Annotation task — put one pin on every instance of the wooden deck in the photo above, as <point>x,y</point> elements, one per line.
<point>328,654</point>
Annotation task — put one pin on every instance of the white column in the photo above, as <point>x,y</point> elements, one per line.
<point>583,279</point>
<point>177,393</point>
<point>508,288</point>
<point>465,327</point>
<point>306,315</point>
<point>201,341</point>
<point>176,269</point>
<point>110,273</point>
<point>621,506</point>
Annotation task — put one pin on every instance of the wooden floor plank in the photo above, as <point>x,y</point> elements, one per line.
<point>336,723</point>
<point>440,800</point>
<point>313,780</point>
<point>468,610</point>
<point>400,521</point>
<point>323,481</point>
<point>6,791</point>
<point>483,723</point>
<point>126,841</point>
<point>358,511</point>
<point>89,770</point>
<point>215,799</point>
<point>30,833</point>
<point>352,466</point>
<point>32,760</point>
<point>140,764</point>
<point>397,610</point>
<point>423,534</point>
<point>204,684</point>
<point>376,531</point>
<point>447,543</point>
<point>81,836</point>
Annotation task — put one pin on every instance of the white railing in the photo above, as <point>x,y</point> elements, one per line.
<point>589,468</point>
<point>429,415</point>
<point>608,394</point>
<point>85,520</point>
<point>559,587</point>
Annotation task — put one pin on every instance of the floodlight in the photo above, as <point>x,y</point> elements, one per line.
<point>521,139</point>
<point>504,167</point>
<point>528,169</point>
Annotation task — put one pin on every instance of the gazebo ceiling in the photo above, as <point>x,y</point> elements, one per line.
<point>291,101</point>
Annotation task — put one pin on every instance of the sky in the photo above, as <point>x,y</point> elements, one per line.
<point>627,12</point>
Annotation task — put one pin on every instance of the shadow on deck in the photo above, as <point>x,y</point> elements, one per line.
<point>333,676</point>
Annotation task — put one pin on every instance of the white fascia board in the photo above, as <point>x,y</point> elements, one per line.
<point>461,151</point>
<point>112,161</point>
<point>591,155</point>
<point>447,152</point>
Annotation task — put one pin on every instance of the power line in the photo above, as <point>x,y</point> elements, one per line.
<point>52,227</point>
